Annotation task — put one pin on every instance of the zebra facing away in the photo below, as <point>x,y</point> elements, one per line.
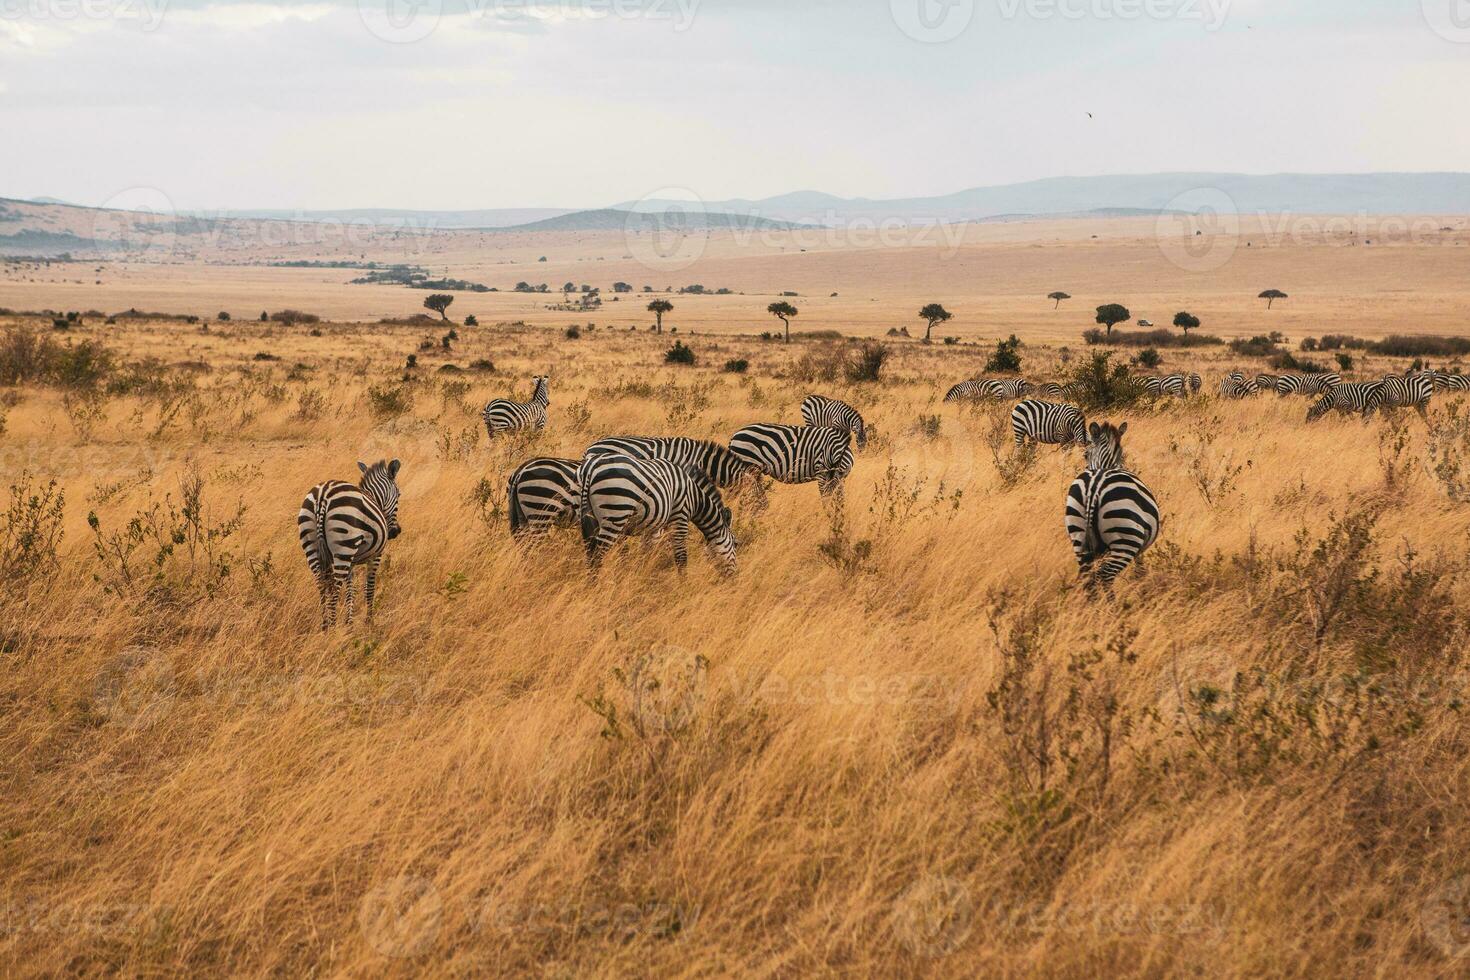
<point>796,453</point>
<point>1307,384</point>
<point>342,526</point>
<point>1408,391</point>
<point>542,494</point>
<point>1057,425</point>
<point>1111,516</point>
<point>503,415</point>
<point>1357,397</point>
<point>834,414</point>
<point>623,496</point>
<point>989,388</point>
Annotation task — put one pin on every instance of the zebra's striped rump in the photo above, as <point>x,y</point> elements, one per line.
<point>541,494</point>
<point>1111,517</point>
<point>724,468</point>
<point>503,415</point>
<point>1307,384</point>
<point>1235,385</point>
<point>1048,422</point>
<point>341,526</point>
<point>796,453</point>
<point>623,496</point>
<point>1408,391</point>
<point>834,414</point>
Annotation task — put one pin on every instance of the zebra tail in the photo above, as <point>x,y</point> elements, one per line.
<point>584,508</point>
<point>517,516</point>
<point>323,552</point>
<point>1094,533</point>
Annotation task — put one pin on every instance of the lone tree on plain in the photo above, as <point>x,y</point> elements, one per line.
<point>439,302</point>
<point>934,313</point>
<point>783,311</point>
<point>1058,296</point>
<point>1112,314</point>
<point>1271,296</point>
<point>1186,321</point>
<point>658,308</point>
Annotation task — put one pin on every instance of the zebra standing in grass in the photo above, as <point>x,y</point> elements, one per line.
<point>1234,385</point>
<point>1307,384</point>
<point>834,414</point>
<point>503,415</point>
<point>1195,383</point>
<point>796,453</point>
<point>724,468</point>
<point>542,494</point>
<point>623,496</point>
<point>1449,382</point>
<point>1265,382</point>
<point>1357,397</point>
<point>1408,391</point>
<point>342,526</point>
<point>1111,515</point>
<point>989,388</point>
<point>1174,384</point>
<point>1048,422</point>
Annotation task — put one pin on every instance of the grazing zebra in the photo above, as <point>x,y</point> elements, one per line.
<point>989,388</point>
<point>1307,384</point>
<point>1234,385</point>
<point>502,415</point>
<point>1265,382</point>
<point>542,494</point>
<point>623,496</point>
<point>1195,384</point>
<point>724,468</point>
<point>1110,513</point>
<point>1174,384</point>
<point>818,410</point>
<point>1449,382</point>
<point>1408,391</point>
<point>796,453</point>
<point>1048,422</point>
<point>1356,397</point>
<point>1054,389</point>
<point>342,526</point>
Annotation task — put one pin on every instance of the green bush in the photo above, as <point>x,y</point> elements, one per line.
<point>1149,358</point>
<point>679,354</point>
<point>1007,357</point>
<point>868,363</point>
<point>737,365</point>
<point>1104,385</point>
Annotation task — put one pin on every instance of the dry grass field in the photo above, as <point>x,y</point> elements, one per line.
<point>900,741</point>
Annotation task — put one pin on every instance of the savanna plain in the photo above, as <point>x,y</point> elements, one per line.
<point>901,740</point>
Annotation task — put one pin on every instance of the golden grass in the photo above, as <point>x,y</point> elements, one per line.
<point>837,769</point>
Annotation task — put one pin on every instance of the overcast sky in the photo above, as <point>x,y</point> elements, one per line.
<point>505,103</point>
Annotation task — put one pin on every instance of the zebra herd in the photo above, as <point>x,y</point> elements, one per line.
<point>624,485</point>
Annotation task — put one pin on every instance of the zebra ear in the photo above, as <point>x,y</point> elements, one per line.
<point>1093,430</point>
<point>362,466</point>
<point>393,468</point>
<point>1122,428</point>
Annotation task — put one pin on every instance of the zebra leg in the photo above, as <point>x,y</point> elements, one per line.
<point>370,588</point>
<point>680,535</point>
<point>342,574</point>
<point>327,600</point>
<point>1112,566</point>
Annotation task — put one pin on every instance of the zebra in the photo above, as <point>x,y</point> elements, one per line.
<point>1174,384</point>
<point>1195,383</point>
<point>796,453</point>
<point>502,415</point>
<point>1110,515</point>
<point>623,496</point>
<point>1411,390</point>
<point>542,493</point>
<point>989,388</point>
<point>1307,384</point>
<point>1048,422</point>
<point>724,468</point>
<point>342,526</point>
<point>1365,397</point>
<point>1069,390</point>
<point>1449,382</point>
<point>1234,385</point>
<point>819,410</point>
<point>1264,382</point>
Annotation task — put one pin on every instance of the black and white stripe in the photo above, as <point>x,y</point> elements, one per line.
<point>1449,382</point>
<point>1173,385</point>
<point>503,415</point>
<point>1408,391</point>
<point>1265,382</point>
<point>623,496</point>
<point>1111,516</point>
<point>724,468</point>
<point>989,388</point>
<point>342,526</point>
<point>1307,384</point>
<point>542,494</point>
<point>834,414</point>
<point>1366,398</point>
<point>796,453</point>
<point>1040,421</point>
<point>1235,385</point>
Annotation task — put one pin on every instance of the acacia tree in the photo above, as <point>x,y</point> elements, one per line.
<point>658,308</point>
<point>439,302</point>
<point>1271,296</point>
<point>934,313</point>
<point>783,311</point>
<point>1112,314</point>
<point>1058,296</point>
<point>1185,321</point>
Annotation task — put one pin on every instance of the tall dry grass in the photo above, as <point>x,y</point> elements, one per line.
<point>900,741</point>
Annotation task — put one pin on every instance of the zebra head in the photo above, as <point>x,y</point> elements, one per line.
<point>714,522</point>
<point>837,458</point>
<point>1105,448</point>
<point>542,393</point>
<point>380,482</point>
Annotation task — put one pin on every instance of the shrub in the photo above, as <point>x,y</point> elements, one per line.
<point>1344,361</point>
<point>1338,341</point>
<point>1258,346</point>
<point>265,356</point>
<point>1150,338</point>
<point>1007,356</point>
<point>82,365</point>
<point>1105,385</point>
<point>223,317</point>
<point>1284,361</point>
<point>678,354</point>
<point>737,365</point>
<point>389,401</point>
<point>868,362</point>
<point>573,333</point>
<point>1149,358</point>
<point>823,364</point>
<point>482,364</point>
<point>30,529</point>
<point>1399,346</point>
<point>951,341</point>
<point>471,321</point>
